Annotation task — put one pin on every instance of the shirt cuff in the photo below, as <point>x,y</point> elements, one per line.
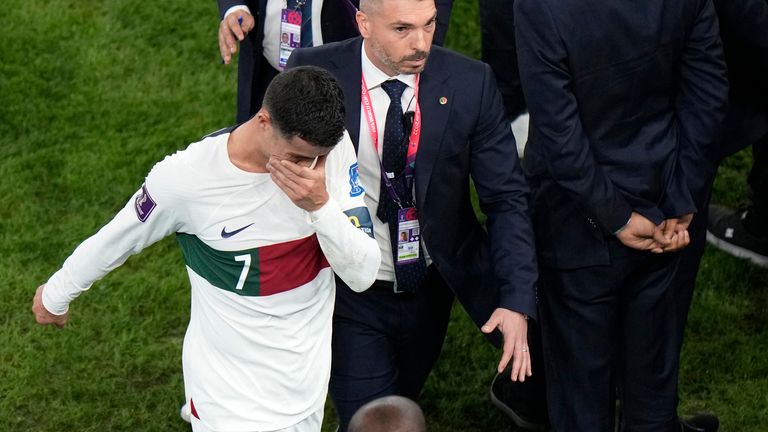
<point>623,226</point>
<point>54,300</point>
<point>237,8</point>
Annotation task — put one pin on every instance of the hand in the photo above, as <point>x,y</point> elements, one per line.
<point>642,234</point>
<point>304,186</point>
<point>42,316</point>
<point>229,29</point>
<point>676,230</point>
<point>514,328</point>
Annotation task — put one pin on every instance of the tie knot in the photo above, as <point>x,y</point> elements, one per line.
<point>394,89</point>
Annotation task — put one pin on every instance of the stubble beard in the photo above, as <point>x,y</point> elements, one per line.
<point>396,65</point>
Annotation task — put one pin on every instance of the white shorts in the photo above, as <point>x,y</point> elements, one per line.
<point>309,424</point>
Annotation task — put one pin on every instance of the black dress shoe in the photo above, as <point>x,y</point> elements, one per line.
<point>523,402</point>
<point>700,423</point>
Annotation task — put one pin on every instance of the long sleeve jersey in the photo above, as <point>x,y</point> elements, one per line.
<point>256,354</point>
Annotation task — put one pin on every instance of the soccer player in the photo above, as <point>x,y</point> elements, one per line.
<point>262,213</point>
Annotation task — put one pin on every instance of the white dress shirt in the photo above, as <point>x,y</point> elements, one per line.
<point>368,158</point>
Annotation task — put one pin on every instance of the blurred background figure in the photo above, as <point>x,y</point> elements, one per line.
<point>497,44</point>
<point>744,30</point>
<point>256,26</point>
<point>388,414</point>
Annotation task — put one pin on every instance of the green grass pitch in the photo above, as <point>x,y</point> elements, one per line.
<point>91,95</point>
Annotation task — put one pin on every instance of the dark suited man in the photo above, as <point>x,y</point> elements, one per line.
<point>260,37</point>
<point>626,100</point>
<point>386,342</point>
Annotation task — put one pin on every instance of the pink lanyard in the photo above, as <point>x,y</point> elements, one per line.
<point>413,139</point>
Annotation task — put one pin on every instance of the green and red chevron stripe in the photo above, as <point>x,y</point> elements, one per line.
<point>255,272</point>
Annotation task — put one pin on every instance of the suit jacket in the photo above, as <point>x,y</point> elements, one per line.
<point>626,101</point>
<point>466,136</point>
<point>744,30</point>
<point>337,23</point>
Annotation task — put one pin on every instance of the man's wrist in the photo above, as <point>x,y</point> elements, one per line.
<point>320,212</point>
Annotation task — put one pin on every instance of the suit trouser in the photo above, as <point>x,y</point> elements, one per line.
<point>254,73</point>
<point>385,343</point>
<point>609,328</point>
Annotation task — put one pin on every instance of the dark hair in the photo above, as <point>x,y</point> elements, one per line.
<point>307,102</point>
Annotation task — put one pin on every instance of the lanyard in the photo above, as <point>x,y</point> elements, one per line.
<point>413,140</point>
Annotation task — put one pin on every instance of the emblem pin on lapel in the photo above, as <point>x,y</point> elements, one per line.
<point>443,100</point>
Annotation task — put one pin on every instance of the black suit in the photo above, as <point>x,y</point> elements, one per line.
<point>254,73</point>
<point>626,101</point>
<point>464,135</point>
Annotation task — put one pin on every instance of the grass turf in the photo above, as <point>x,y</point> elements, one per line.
<point>91,95</point>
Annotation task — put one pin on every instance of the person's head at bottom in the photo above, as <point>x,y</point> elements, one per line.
<point>388,414</point>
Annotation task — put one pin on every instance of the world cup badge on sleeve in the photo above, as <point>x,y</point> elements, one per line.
<point>144,204</point>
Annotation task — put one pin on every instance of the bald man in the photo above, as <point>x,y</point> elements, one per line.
<point>386,341</point>
<point>389,414</point>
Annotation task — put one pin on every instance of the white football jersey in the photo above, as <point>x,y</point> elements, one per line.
<point>257,350</point>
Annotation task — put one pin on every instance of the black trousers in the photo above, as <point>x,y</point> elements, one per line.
<point>253,77</point>
<point>607,329</point>
<point>385,343</point>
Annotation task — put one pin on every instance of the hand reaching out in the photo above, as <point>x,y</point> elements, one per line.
<point>233,28</point>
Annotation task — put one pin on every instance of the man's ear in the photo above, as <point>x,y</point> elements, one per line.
<point>263,119</point>
<point>363,24</point>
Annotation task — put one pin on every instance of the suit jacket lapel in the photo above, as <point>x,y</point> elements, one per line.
<point>435,100</point>
<point>349,72</point>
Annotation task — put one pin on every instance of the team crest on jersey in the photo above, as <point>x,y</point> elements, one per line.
<point>144,204</point>
<point>354,181</point>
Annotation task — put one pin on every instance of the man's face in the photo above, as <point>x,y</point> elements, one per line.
<point>398,34</point>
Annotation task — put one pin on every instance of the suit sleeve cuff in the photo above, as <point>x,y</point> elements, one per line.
<point>524,304</point>
<point>616,217</point>
<point>235,9</point>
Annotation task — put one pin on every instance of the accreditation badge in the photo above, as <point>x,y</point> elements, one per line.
<point>290,34</point>
<point>408,235</point>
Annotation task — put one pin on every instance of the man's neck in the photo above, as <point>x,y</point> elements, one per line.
<point>244,149</point>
